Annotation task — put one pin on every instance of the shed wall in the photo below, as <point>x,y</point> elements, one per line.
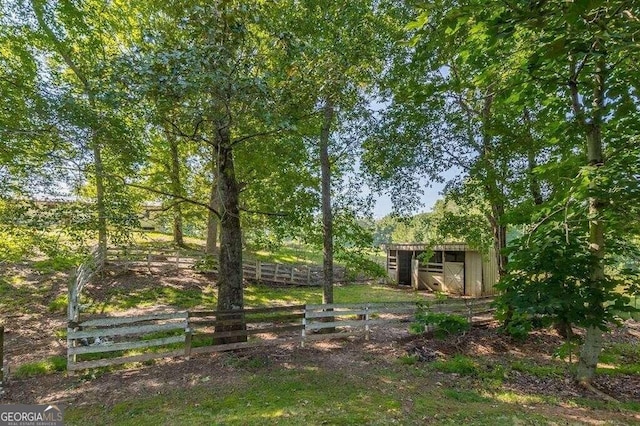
<point>473,274</point>
<point>490,274</point>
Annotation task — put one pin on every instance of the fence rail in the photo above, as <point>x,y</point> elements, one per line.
<point>116,340</point>
<point>84,273</point>
<point>276,273</point>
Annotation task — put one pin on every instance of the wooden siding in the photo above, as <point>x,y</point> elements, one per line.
<point>473,274</point>
<point>480,271</point>
<point>490,274</point>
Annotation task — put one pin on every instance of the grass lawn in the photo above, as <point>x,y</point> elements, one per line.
<point>359,390</point>
<point>399,396</point>
<point>259,295</point>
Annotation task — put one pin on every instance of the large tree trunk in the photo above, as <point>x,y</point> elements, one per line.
<point>499,232</point>
<point>590,351</point>
<point>327,214</point>
<point>176,188</point>
<point>230,286</point>
<point>212,218</point>
<point>494,193</point>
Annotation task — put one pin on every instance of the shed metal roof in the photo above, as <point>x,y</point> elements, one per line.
<point>426,246</point>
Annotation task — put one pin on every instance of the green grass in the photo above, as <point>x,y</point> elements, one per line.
<point>39,368</point>
<point>118,300</point>
<point>59,304</point>
<point>263,394</point>
<point>58,263</point>
<point>20,294</point>
<point>292,397</point>
<point>464,396</point>
<point>259,295</point>
<point>291,253</point>
<point>254,296</point>
<point>459,364</point>
<point>536,370</point>
<point>620,358</point>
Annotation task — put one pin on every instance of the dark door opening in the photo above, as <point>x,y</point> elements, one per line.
<point>404,267</point>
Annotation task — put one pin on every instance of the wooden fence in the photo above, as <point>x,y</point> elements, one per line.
<point>117,340</point>
<point>83,274</point>
<point>254,270</point>
<point>2,365</point>
<point>278,273</point>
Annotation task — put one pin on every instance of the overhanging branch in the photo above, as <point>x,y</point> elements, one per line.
<point>169,194</point>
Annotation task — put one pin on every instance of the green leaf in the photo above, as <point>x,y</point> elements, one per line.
<point>420,22</point>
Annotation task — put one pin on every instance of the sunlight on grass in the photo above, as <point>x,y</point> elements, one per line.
<point>516,398</point>
<point>39,368</point>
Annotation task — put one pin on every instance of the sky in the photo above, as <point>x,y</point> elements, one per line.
<point>431,194</point>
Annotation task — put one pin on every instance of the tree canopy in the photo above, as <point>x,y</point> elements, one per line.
<point>257,122</point>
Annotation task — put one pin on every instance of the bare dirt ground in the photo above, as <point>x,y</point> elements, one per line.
<point>31,336</point>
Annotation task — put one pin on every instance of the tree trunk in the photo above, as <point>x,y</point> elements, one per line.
<point>230,285</point>
<point>327,215</point>
<point>499,232</point>
<point>176,188</point>
<point>534,183</point>
<point>592,346</point>
<point>212,218</point>
<point>39,10</point>
<point>493,192</point>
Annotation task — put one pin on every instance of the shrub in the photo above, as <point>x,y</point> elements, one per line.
<point>444,325</point>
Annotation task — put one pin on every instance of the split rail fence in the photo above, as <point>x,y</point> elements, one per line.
<point>109,341</point>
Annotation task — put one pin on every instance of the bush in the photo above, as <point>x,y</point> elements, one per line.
<point>444,325</point>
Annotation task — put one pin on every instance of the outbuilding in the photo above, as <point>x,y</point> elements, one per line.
<point>453,268</point>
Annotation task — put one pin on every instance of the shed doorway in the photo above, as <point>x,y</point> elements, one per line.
<point>404,267</point>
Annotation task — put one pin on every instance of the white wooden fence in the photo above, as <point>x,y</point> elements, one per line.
<point>116,340</point>
<point>83,275</point>
<point>256,270</point>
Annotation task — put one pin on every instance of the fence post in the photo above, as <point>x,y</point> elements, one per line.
<point>258,270</point>
<point>149,260</point>
<point>469,311</point>
<point>187,339</point>
<point>308,275</point>
<point>1,358</point>
<point>73,315</point>
<point>367,331</point>
<point>304,325</point>
<point>177,259</point>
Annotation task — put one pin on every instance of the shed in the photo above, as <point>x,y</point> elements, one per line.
<point>454,268</point>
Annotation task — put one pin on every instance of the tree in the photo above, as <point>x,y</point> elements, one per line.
<point>582,52</point>
<point>339,59</point>
<point>527,63</point>
<point>87,104</point>
<point>223,60</point>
